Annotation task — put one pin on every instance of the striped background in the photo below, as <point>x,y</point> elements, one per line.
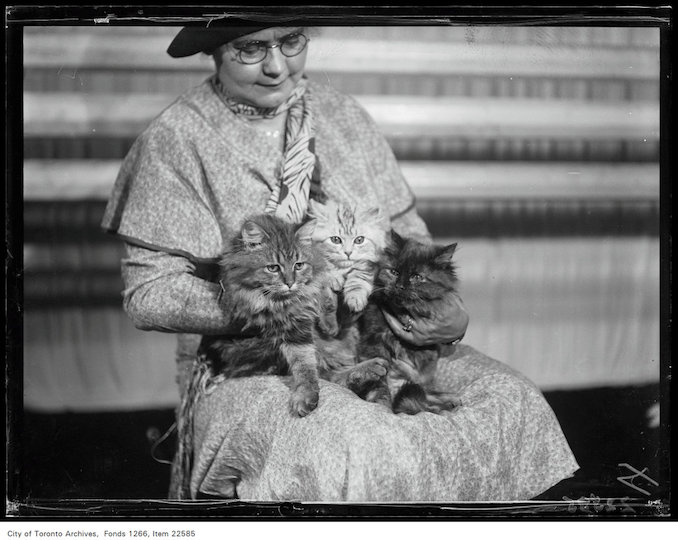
<point>535,148</point>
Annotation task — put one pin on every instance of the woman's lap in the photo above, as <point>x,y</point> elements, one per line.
<point>503,443</point>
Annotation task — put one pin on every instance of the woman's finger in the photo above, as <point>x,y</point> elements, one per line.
<point>397,325</point>
<point>407,330</point>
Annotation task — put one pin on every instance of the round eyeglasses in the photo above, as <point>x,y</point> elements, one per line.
<point>254,52</point>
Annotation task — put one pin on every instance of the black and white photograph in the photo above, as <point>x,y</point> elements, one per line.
<point>332,262</point>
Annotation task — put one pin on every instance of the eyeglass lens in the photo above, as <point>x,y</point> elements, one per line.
<point>255,51</point>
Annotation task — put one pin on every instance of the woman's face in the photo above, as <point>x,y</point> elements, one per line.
<point>267,83</point>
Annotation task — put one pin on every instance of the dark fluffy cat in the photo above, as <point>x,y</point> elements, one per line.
<point>412,277</point>
<point>272,280</point>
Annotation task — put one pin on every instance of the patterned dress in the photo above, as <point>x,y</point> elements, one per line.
<point>182,192</point>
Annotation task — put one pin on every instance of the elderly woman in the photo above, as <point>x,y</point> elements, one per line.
<point>258,136</point>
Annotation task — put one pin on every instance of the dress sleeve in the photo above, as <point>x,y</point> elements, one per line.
<point>161,209</point>
<point>411,224</point>
<point>160,200</point>
<point>162,293</point>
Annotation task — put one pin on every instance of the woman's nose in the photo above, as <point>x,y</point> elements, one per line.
<point>274,63</point>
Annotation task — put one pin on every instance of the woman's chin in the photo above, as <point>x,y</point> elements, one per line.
<point>269,103</point>
<point>271,97</point>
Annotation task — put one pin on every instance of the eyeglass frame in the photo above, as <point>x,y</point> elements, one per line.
<point>278,44</point>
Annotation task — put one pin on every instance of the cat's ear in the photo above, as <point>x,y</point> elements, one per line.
<point>305,232</point>
<point>252,234</point>
<point>317,210</point>
<point>312,207</point>
<point>446,253</point>
<point>397,240</point>
<point>373,215</point>
<point>394,244</point>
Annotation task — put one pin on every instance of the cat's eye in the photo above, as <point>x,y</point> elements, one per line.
<point>335,239</point>
<point>273,268</point>
<point>359,239</point>
<point>417,277</point>
<point>393,271</point>
<point>299,265</point>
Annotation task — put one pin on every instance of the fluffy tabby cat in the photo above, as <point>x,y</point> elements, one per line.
<point>272,279</point>
<point>411,279</point>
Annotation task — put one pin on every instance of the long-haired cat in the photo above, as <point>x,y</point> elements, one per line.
<point>412,278</point>
<point>271,278</point>
<point>352,239</point>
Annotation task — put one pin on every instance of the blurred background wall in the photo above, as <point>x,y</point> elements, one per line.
<point>535,148</point>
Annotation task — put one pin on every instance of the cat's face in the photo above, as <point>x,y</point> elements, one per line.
<point>347,234</point>
<point>411,274</point>
<point>272,259</point>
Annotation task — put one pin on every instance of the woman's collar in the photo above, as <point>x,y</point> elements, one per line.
<point>251,111</point>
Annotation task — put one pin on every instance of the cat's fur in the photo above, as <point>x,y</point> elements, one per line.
<point>272,279</point>
<point>281,330</point>
<point>352,240</point>
<point>282,315</point>
<point>412,278</point>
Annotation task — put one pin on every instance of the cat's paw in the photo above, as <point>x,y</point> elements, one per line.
<point>337,283</point>
<point>368,371</point>
<point>379,395</point>
<point>304,399</point>
<point>356,301</point>
<point>442,401</point>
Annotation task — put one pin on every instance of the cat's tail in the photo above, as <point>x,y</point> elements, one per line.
<point>412,398</point>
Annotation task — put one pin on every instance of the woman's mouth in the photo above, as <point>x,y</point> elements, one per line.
<point>272,86</point>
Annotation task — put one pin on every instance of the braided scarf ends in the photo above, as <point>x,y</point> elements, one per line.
<point>200,383</point>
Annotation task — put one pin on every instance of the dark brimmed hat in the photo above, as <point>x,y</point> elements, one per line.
<point>194,39</point>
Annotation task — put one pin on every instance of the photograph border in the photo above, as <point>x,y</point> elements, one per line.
<point>17,17</point>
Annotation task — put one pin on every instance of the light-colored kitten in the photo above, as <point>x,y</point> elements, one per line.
<point>352,241</point>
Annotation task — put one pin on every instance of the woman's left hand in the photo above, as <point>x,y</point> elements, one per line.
<point>447,323</point>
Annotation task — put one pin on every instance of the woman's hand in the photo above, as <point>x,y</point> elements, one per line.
<point>447,323</point>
